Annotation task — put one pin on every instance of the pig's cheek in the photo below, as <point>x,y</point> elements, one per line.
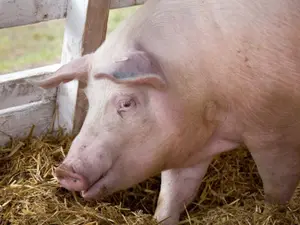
<point>99,190</point>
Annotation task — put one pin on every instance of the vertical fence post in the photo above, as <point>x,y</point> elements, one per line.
<point>85,30</point>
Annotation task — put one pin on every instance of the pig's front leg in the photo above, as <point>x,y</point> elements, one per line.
<point>178,188</point>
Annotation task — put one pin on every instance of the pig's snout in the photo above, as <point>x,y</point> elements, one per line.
<point>71,180</point>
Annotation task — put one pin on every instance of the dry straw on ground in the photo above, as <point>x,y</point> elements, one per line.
<point>230,194</point>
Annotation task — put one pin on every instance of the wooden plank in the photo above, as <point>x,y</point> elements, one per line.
<point>22,104</point>
<point>86,25</point>
<point>15,90</point>
<point>30,73</point>
<point>17,122</point>
<point>115,4</point>
<point>23,12</point>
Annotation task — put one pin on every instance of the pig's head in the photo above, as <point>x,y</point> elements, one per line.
<point>128,133</point>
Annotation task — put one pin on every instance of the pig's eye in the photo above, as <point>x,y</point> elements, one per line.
<point>125,105</point>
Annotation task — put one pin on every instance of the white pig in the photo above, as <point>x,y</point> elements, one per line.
<point>180,82</point>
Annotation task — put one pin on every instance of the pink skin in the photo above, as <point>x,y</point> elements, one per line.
<point>126,117</point>
<point>135,130</point>
<point>124,120</point>
<point>71,180</point>
<point>226,77</point>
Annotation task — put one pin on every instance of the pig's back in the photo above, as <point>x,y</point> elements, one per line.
<point>246,53</point>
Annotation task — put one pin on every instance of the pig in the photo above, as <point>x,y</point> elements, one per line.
<point>178,83</point>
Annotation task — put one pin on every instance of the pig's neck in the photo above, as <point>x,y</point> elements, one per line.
<point>201,126</point>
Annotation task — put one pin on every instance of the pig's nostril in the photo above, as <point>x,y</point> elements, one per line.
<point>71,180</point>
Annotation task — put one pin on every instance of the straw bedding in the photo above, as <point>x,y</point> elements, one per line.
<point>230,194</point>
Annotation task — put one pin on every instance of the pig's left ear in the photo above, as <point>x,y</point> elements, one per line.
<point>76,69</point>
<point>134,68</point>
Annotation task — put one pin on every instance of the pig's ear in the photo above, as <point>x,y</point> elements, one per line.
<point>134,68</point>
<point>76,69</point>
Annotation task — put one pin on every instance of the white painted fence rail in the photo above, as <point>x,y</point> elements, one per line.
<point>23,12</point>
<point>23,105</point>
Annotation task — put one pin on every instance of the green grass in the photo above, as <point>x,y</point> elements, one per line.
<point>40,44</point>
